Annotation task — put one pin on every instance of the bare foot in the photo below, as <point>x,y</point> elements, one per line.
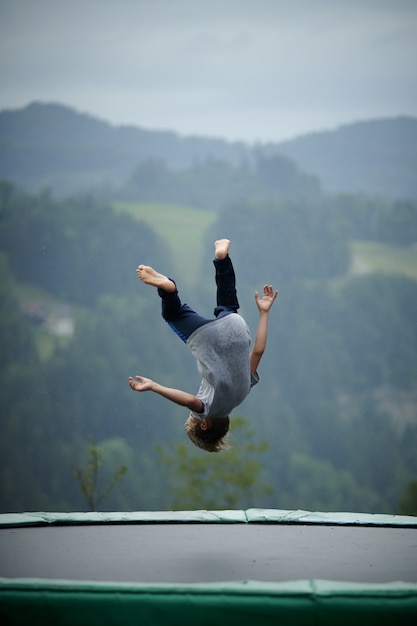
<point>149,276</point>
<point>221,247</point>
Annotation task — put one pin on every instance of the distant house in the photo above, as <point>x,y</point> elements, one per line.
<point>57,319</point>
<point>60,320</point>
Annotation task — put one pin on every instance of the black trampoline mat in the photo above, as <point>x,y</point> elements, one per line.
<point>205,552</point>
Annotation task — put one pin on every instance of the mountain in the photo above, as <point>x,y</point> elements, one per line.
<point>377,157</point>
<point>51,145</point>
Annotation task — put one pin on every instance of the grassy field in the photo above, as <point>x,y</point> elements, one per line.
<point>182,228</point>
<point>370,256</point>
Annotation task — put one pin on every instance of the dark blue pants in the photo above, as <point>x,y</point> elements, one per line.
<point>183,319</point>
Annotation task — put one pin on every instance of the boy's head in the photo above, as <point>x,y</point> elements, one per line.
<point>208,433</point>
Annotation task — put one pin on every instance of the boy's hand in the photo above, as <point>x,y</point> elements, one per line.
<point>268,298</point>
<point>140,384</point>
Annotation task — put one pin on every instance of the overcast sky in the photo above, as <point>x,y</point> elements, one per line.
<point>256,70</point>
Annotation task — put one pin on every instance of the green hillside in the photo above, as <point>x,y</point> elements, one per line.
<point>182,228</point>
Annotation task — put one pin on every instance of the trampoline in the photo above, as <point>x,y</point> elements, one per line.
<point>207,567</point>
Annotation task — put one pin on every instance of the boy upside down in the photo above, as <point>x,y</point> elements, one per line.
<point>222,347</point>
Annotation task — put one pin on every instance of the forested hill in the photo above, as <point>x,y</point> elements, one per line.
<point>50,145</point>
<point>54,145</point>
<point>375,157</point>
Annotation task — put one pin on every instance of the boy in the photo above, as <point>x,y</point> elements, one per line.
<point>221,347</point>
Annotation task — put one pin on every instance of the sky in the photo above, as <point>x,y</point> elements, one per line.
<point>250,70</point>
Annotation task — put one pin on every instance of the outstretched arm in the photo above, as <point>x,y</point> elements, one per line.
<point>174,395</point>
<point>264,305</point>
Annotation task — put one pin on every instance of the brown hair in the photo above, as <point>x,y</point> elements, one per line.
<point>212,439</point>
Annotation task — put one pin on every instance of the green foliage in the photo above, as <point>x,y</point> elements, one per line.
<point>227,480</point>
<point>317,485</point>
<point>336,400</point>
<point>290,240</point>
<point>373,219</point>
<point>77,249</point>
<point>16,342</point>
<point>400,223</point>
<point>408,502</point>
<point>380,338</point>
<point>89,475</point>
<point>214,182</point>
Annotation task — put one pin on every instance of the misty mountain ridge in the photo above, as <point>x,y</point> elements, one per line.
<point>52,145</point>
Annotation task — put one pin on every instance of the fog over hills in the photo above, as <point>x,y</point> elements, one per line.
<point>52,145</point>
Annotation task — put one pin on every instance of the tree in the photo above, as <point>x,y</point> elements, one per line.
<point>408,502</point>
<point>228,480</point>
<point>88,478</point>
